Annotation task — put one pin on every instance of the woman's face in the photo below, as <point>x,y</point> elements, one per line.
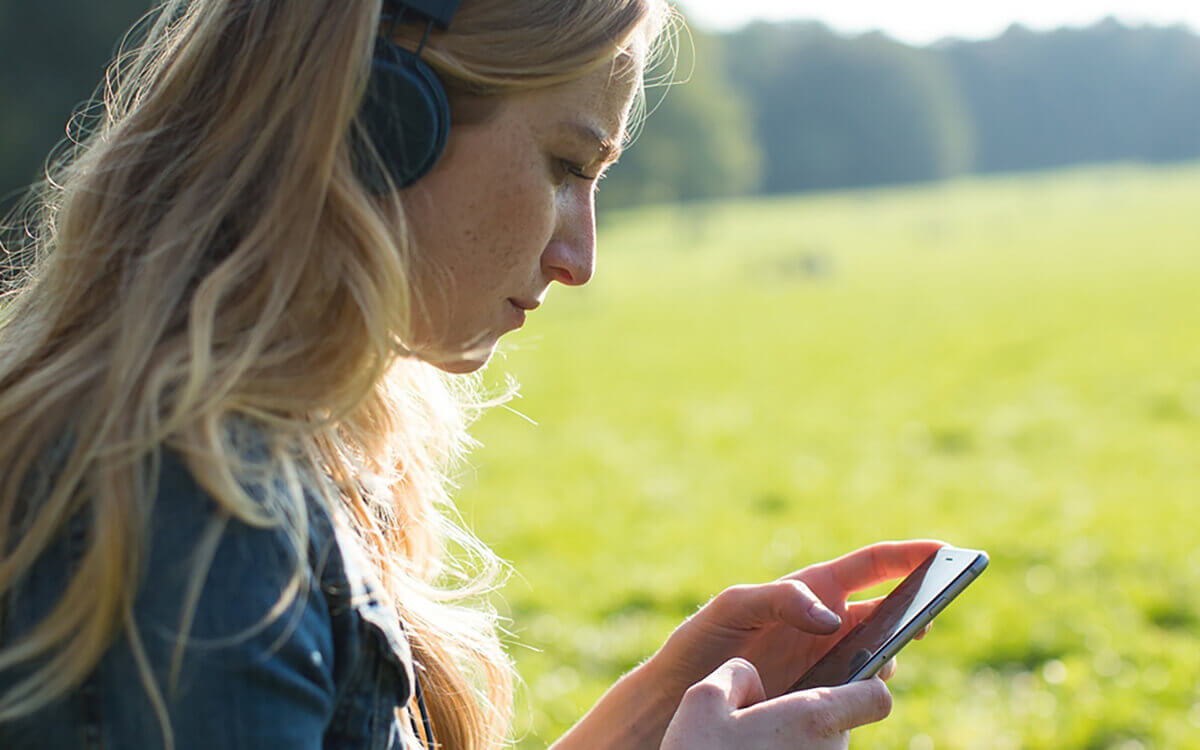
<point>509,209</point>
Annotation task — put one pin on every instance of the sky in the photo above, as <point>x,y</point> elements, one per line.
<point>925,21</point>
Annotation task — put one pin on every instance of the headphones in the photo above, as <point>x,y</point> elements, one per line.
<point>404,117</point>
<point>403,121</point>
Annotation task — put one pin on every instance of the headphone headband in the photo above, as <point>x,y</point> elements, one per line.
<point>439,12</point>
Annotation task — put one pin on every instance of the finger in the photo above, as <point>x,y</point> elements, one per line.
<point>827,712</point>
<point>880,562</point>
<point>735,684</point>
<point>785,601</point>
<point>888,671</point>
<point>856,612</point>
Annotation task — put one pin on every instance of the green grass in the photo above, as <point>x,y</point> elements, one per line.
<point>746,388</point>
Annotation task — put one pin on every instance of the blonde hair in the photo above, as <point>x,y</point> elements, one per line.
<point>206,260</point>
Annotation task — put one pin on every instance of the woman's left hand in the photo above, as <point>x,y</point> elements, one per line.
<point>784,626</point>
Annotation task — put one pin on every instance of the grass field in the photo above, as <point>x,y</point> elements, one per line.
<point>1009,363</point>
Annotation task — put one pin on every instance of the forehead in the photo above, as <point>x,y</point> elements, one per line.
<point>599,100</point>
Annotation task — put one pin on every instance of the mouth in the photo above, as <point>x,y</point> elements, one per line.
<point>525,304</point>
<point>517,317</point>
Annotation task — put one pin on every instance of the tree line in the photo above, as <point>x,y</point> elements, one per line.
<point>770,108</point>
<point>779,108</point>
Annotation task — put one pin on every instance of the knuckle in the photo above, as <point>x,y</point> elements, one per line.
<point>731,597</point>
<point>740,665</point>
<point>800,587</point>
<point>785,593</point>
<point>704,692</point>
<point>820,720</point>
<point>779,595</point>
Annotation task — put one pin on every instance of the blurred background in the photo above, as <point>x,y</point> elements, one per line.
<point>873,271</point>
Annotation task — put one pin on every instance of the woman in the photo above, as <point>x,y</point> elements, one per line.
<point>226,408</point>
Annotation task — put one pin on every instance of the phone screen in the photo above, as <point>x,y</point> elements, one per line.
<point>920,596</point>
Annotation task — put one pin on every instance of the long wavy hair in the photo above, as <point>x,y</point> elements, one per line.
<point>204,259</point>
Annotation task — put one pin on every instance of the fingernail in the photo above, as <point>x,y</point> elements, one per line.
<point>825,616</point>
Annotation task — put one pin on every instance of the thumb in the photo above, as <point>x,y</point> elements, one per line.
<point>733,685</point>
<point>826,712</point>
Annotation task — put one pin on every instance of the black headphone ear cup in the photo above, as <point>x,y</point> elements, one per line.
<point>405,116</point>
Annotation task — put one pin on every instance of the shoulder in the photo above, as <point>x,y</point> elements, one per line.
<point>235,621</point>
<point>309,646</point>
<point>191,541</point>
<point>225,574</point>
<point>250,642</point>
<point>337,655</point>
<point>230,622</point>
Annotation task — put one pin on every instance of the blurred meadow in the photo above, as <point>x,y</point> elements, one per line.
<point>1009,363</point>
<point>766,374</point>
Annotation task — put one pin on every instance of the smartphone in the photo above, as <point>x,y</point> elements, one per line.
<point>899,618</point>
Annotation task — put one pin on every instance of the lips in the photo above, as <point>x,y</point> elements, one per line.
<point>525,304</point>
<point>516,315</point>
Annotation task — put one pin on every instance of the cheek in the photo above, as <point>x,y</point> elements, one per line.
<point>482,219</point>
<point>512,221</point>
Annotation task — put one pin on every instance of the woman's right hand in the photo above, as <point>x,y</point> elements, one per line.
<point>728,710</point>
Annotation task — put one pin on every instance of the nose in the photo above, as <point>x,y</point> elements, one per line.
<point>570,256</point>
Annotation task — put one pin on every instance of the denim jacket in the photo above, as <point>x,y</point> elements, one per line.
<point>333,672</point>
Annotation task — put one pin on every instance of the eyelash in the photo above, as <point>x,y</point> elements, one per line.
<point>576,170</point>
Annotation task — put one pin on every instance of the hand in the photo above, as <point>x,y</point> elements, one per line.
<point>728,709</point>
<point>772,630</point>
<point>784,626</point>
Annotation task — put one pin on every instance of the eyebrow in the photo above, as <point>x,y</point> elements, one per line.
<point>610,149</point>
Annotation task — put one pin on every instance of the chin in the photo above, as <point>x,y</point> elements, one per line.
<point>463,362</point>
<point>459,358</point>
<point>462,366</point>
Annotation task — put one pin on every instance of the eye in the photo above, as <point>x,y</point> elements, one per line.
<point>576,170</point>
